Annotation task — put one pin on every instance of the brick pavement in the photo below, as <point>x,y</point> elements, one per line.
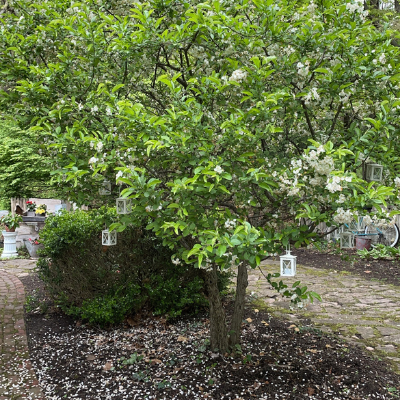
<point>17,378</point>
<point>363,312</point>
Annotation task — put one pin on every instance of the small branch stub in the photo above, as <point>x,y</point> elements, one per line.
<point>124,206</point>
<point>374,172</point>
<point>288,264</point>
<point>109,238</point>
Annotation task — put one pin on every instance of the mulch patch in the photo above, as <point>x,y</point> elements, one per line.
<point>151,358</point>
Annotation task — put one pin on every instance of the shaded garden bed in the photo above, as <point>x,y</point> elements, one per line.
<point>150,358</point>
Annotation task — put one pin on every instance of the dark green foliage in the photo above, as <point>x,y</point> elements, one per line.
<point>105,284</point>
<point>111,308</point>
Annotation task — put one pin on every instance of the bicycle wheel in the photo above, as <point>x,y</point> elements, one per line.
<point>387,235</point>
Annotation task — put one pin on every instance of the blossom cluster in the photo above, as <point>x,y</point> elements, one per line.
<point>303,69</point>
<point>343,216</point>
<point>238,75</point>
<point>322,166</point>
<point>333,184</point>
<point>230,224</point>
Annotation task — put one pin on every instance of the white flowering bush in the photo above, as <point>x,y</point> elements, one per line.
<point>225,122</point>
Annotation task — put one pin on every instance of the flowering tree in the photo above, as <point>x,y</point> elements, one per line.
<point>235,128</point>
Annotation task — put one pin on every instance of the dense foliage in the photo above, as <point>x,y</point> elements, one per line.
<point>225,122</point>
<point>104,285</point>
<point>24,171</point>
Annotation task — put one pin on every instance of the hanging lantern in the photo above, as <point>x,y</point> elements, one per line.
<point>346,240</point>
<point>124,206</point>
<point>374,172</point>
<point>105,189</point>
<point>288,264</point>
<point>108,238</point>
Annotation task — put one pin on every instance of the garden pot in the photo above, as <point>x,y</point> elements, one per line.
<point>10,245</point>
<point>30,213</point>
<point>32,248</point>
<point>363,243</point>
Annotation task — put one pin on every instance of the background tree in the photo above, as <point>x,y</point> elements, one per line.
<point>24,172</point>
<point>203,112</point>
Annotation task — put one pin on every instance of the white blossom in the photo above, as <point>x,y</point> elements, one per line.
<point>343,216</point>
<point>238,75</point>
<point>230,224</point>
<point>218,169</point>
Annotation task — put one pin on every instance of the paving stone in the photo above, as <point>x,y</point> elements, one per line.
<point>388,348</point>
<point>350,303</point>
<point>391,339</point>
<point>388,331</point>
<point>366,332</point>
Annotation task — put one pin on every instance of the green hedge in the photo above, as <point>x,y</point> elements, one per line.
<point>103,285</point>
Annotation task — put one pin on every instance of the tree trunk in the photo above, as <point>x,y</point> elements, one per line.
<point>218,329</point>
<point>396,6</point>
<point>238,312</point>
<point>219,337</point>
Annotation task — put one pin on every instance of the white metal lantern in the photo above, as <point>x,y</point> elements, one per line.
<point>288,264</point>
<point>105,189</point>
<point>374,172</point>
<point>346,240</point>
<point>124,206</point>
<point>109,238</point>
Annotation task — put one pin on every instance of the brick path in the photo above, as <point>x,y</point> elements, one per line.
<point>17,378</point>
<point>364,312</point>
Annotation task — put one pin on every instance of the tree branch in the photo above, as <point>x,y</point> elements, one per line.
<point>308,120</point>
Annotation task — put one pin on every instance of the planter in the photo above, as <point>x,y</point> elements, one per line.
<point>363,243</point>
<point>40,215</point>
<point>32,248</point>
<point>30,213</point>
<point>10,245</point>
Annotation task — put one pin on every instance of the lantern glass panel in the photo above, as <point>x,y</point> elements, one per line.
<point>346,240</point>
<point>374,172</point>
<point>124,206</point>
<point>109,238</point>
<point>106,188</point>
<point>288,265</point>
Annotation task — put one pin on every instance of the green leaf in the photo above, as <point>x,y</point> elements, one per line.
<point>116,87</point>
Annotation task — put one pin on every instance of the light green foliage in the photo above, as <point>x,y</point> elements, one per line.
<point>206,110</point>
<point>380,251</point>
<point>10,221</point>
<point>133,359</point>
<point>24,171</point>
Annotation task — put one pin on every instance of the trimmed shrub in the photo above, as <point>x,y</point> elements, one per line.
<point>103,284</point>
